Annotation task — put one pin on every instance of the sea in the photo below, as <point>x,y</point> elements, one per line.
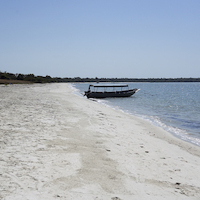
<point>175,107</point>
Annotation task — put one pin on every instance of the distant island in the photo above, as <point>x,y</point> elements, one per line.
<point>6,78</point>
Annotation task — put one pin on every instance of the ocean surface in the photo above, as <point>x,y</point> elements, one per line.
<point>175,107</point>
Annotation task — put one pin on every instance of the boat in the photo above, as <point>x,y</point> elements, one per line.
<point>104,91</point>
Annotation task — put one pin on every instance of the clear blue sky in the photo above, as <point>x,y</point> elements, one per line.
<point>101,38</point>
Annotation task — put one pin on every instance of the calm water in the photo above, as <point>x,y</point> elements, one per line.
<point>173,106</point>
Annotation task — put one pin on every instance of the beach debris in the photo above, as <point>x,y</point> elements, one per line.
<point>146,151</point>
<point>107,149</point>
<point>116,198</point>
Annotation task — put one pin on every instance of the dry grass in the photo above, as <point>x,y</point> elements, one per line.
<point>5,81</point>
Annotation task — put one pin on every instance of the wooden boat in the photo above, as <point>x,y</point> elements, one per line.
<point>103,91</point>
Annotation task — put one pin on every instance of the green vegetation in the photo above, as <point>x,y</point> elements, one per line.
<point>31,78</point>
<point>5,77</point>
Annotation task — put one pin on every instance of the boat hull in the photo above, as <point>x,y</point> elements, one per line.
<point>126,93</point>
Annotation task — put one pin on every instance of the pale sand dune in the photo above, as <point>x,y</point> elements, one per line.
<point>56,145</point>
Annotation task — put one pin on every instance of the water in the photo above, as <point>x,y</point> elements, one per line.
<point>174,107</point>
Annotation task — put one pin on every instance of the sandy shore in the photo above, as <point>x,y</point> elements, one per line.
<point>56,145</point>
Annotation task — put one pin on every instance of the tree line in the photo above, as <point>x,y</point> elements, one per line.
<point>27,77</point>
<point>48,79</point>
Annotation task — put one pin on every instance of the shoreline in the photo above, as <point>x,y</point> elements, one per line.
<point>181,136</point>
<point>57,145</point>
<point>148,120</point>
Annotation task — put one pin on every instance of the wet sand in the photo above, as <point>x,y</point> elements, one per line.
<point>56,145</point>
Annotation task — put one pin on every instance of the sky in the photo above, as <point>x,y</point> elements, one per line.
<point>101,38</point>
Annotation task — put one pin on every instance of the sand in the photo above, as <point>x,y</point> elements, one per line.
<point>56,145</point>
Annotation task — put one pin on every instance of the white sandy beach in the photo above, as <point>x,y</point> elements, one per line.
<point>56,145</point>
